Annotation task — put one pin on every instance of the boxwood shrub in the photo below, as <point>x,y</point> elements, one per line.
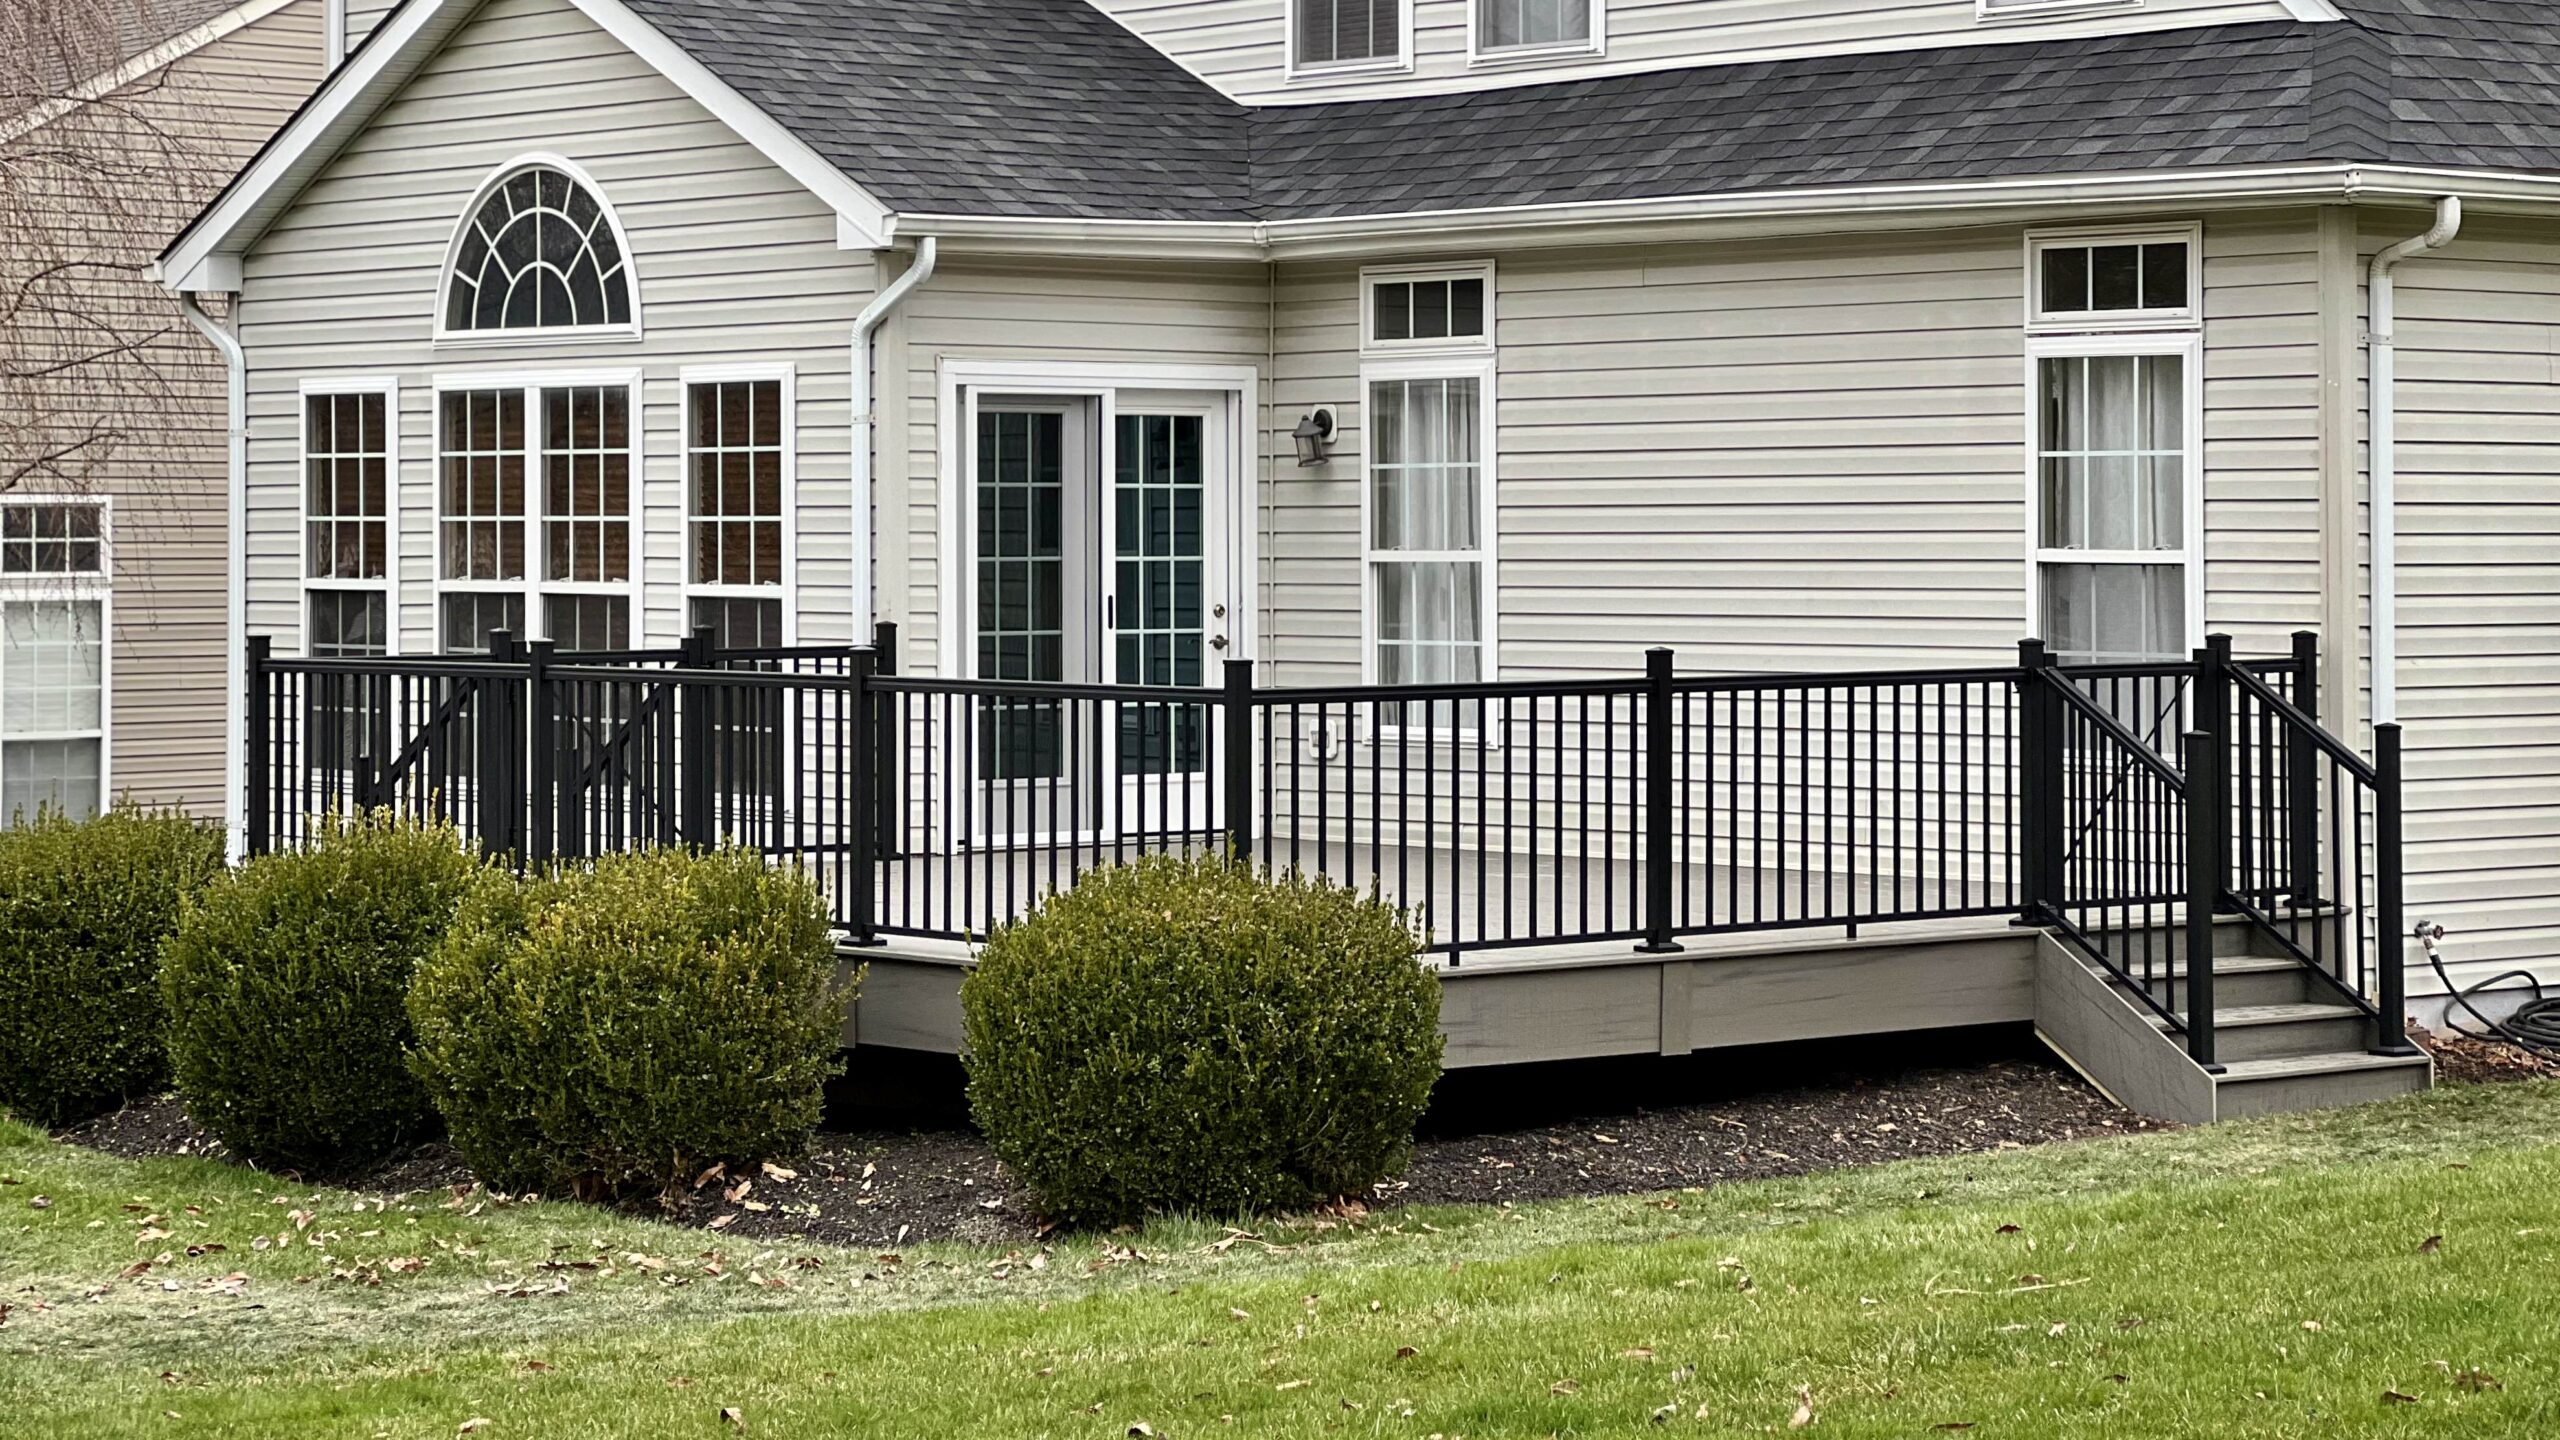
<point>631,1022</point>
<point>84,906</point>
<point>1183,1034</point>
<point>287,985</point>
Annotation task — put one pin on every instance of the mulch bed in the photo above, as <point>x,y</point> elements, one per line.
<point>2464,1059</point>
<point>888,1188</point>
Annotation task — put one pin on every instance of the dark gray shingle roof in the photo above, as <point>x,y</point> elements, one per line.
<point>1048,107</point>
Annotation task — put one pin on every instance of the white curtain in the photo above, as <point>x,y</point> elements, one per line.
<point>1501,23</point>
<point>1426,472</point>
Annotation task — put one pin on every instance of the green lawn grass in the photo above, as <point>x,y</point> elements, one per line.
<point>2393,1270</point>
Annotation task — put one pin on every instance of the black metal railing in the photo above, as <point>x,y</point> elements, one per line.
<point>1648,809</point>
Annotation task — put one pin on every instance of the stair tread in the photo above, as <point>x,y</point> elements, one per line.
<point>2225,965</point>
<point>2228,1016</point>
<point>2338,1062</point>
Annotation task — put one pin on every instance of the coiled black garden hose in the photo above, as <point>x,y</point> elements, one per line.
<point>2533,1028</point>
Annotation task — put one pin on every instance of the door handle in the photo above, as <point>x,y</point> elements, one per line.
<point>1217,642</point>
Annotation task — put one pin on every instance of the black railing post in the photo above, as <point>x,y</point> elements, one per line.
<point>691,714</point>
<point>2203,757</point>
<point>888,736</point>
<point>1660,810</point>
<point>862,823</point>
<point>496,754</point>
<point>2302,775</point>
<point>2390,928</point>
<point>1235,712</point>
<point>541,746</point>
<point>2213,716</point>
<point>257,783</point>
<point>2040,797</point>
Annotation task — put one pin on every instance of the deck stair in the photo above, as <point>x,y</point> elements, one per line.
<point>2285,1038</point>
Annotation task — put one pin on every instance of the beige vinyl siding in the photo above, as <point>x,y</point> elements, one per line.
<point>1238,45</point>
<point>363,16</point>
<point>165,477</point>
<point>982,310</point>
<point>1794,455</point>
<point>2478,414</point>
<point>737,264</point>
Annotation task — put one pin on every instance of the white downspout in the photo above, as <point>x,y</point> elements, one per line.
<point>865,424</point>
<point>235,575</point>
<point>2380,355</point>
<point>333,26</point>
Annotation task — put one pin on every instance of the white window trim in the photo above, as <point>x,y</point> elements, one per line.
<point>1993,12</point>
<point>1482,369</point>
<point>449,339</point>
<point>1295,70</point>
<point>1371,276</point>
<point>536,584</point>
<point>2187,344</point>
<point>1479,54</point>
<point>2182,317</point>
<point>98,587</point>
<point>789,590</point>
<point>388,586</point>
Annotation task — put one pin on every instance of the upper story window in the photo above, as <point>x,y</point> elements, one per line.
<point>2111,280</point>
<point>1504,29</point>
<point>539,251</point>
<point>1348,34</point>
<point>1437,310</point>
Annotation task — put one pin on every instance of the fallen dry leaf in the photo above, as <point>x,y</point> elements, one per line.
<point>1406,1352</point>
<point>2394,1397</point>
<point>476,1422</point>
<point>1564,1387</point>
<point>2431,1245</point>
<point>1803,1418</point>
<point>734,1416</point>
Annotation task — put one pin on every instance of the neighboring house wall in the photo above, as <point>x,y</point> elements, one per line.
<point>736,264</point>
<point>1238,45</point>
<point>2479,587</point>
<point>165,480</point>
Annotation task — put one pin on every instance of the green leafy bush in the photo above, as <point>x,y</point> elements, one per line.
<point>84,906</point>
<point>287,986</point>
<point>1186,1035</point>
<point>631,1022</point>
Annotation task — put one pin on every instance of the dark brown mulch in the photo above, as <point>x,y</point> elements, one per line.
<point>2467,1059</point>
<point>884,1188</point>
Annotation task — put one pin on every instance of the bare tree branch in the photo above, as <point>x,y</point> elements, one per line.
<point>94,178</point>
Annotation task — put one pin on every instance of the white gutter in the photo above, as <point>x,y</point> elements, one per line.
<point>235,576</point>
<point>865,425</point>
<point>2380,353</point>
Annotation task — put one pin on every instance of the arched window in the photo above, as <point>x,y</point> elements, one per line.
<point>540,253</point>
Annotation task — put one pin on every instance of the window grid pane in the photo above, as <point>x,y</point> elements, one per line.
<point>2111,453</point>
<point>1425,478</point>
<point>481,493</point>
<point>2095,279</point>
<point>1505,23</point>
<point>52,706</point>
<point>537,254</point>
<point>346,462</point>
<point>1339,31</point>
<point>735,483</point>
<point>52,537</point>
<point>586,460</point>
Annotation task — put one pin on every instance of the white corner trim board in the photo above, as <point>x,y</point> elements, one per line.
<point>205,256</point>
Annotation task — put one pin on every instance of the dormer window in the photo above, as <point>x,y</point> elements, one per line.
<point>1507,29</point>
<point>1346,35</point>
<point>539,251</point>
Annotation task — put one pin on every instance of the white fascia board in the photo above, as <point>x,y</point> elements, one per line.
<point>2312,11</point>
<point>1912,206</point>
<point>415,31</point>
<point>167,52</point>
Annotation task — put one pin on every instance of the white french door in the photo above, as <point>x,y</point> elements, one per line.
<point>1100,550</point>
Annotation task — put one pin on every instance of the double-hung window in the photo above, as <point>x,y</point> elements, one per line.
<point>1504,29</point>
<point>1346,35</point>
<point>53,656</point>
<point>535,514</point>
<point>2115,495</point>
<point>349,467</point>
<point>1427,379</point>
<point>737,477</point>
